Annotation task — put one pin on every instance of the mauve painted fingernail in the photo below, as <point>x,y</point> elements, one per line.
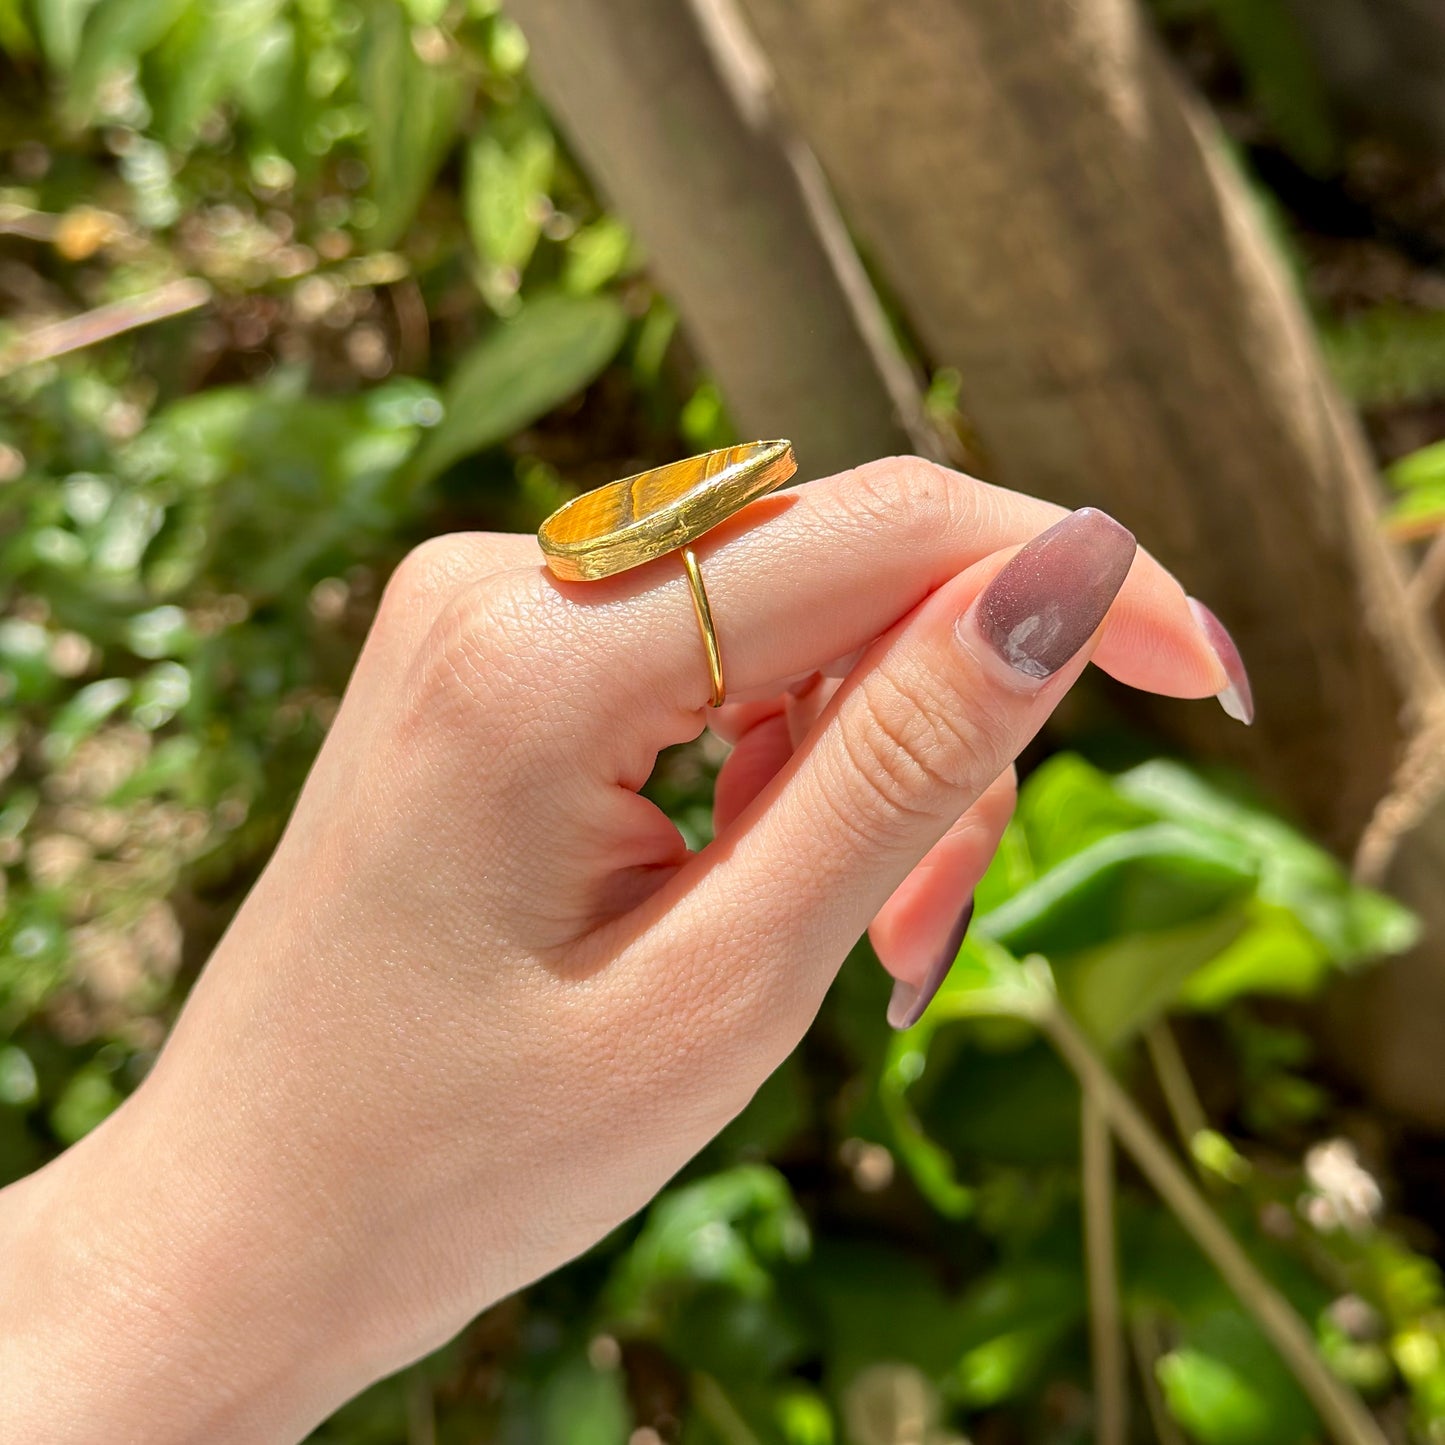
<point>1053,594</point>
<point>907,1004</point>
<point>1238,698</point>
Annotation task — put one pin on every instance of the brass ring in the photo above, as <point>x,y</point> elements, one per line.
<point>640,518</point>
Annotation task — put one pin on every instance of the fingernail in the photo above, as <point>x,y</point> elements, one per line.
<point>1238,698</point>
<point>1053,594</point>
<point>907,1004</point>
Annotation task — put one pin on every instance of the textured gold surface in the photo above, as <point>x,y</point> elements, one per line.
<point>637,519</point>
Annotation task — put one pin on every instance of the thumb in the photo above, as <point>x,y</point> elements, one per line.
<point>934,712</point>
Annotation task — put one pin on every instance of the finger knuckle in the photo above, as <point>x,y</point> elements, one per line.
<point>466,665</point>
<point>431,570</point>
<point>916,746</point>
<point>909,495</point>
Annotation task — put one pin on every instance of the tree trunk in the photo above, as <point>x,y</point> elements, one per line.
<point>674,120</point>
<point>1060,224</point>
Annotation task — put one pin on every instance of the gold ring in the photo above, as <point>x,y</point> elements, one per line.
<point>638,519</point>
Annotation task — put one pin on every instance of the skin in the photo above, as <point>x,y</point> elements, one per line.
<point>483,1003</point>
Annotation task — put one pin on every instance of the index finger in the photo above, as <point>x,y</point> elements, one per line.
<point>819,571</point>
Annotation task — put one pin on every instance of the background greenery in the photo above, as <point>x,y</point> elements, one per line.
<point>399,309</point>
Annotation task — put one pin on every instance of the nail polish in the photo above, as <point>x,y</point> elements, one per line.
<point>908,1002</point>
<point>1055,591</point>
<point>1237,699</point>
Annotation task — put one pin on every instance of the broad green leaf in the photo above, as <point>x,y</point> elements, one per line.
<point>518,372</point>
<point>1419,479</point>
<point>1005,1366</point>
<point>582,1405</point>
<point>412,110</point>
<point>1226,1386</point>
<point>1423,468</point>
<point>79,718</point>
<point>19,1086</point>
<point>171,767</point>
<point>1276,954</point>
<point>1354,924</point>
<point>1032,1118</point>
<point>509,170</point>
<point>117,33</point>
<point>985,981</point>
<point>596,255</point>
<point>213,46</point>
<point>879,1301</point>
<point>88,1098</point>
<point>25,671</point>
<point>160,694</point>
<point>703,1275</point>
<point>1157,877</point>
<point>58,24</point>
<point>15,37</point>
<point>1012,869</point>
<point>1120,987</point>
<point>803,1417</point>
<point>728,1229</point>
<point>1067,804</point>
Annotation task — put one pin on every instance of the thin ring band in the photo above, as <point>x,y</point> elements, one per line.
<point>705,625</point>
<point>640,518</point>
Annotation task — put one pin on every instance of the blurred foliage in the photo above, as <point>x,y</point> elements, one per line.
<point>416,317</point>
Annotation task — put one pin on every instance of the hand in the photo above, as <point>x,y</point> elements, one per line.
<point>484,1002</point>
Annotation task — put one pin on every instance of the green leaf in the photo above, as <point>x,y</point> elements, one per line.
<point>1353,924</point>
<point>213,46</point>
<point>509,170</point>
<point>160,695</point>
<point>1423,468</point>
<point>1275,955</point>
<point>596,255</point>
<point>518,372</point>
<point>413,109</point>
<point>88,1098</point>
<point>117,33</point>
<point>985,981</point>
<point>1226,1386</point>
<point>1122,986</point>
<point>79,718</point>
<point>1158,877</point>
<point>1068,804</point>
<point>582,1405</point>
<point>59,24</point>
<point>728,1229</point>
<point>15,37</point>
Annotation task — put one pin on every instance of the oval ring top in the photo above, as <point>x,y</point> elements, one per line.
<point>636,519</point>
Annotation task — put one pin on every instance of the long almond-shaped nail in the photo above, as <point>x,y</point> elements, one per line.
<point>1237,699</point>
<point>908,1002</point>
<point>1055,591</point>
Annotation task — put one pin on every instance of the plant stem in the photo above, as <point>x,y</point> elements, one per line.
<point>1106,1341</point>
<point>1341,1410</point>
<point>1178,1088</point>
<point>1144,1335</point>
<point>421,1421</point>
<point>74,333</point>
<point>1429,577</point>
<point>720,1412</point>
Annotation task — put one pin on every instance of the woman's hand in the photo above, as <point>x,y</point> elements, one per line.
<point>484,1002</point>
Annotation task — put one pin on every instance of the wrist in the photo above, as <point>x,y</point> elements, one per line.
<point>140,1301</point>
